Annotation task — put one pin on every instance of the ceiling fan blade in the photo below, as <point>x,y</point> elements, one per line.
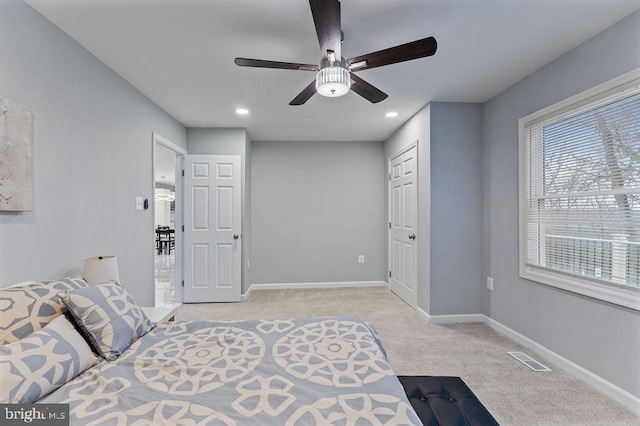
<point>260,63</point>
<point>366,90</point>
<point>305,95</point>
<point>393,55</point>
<point>326,16</point>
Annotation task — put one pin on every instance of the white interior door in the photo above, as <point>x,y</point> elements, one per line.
<point>403,208</point>
<point>212,228</point>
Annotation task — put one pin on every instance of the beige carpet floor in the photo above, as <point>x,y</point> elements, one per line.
<point>514,394</point>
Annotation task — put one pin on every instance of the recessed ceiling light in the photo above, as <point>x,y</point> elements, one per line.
<point>391,114</point>
<point>242,111</point>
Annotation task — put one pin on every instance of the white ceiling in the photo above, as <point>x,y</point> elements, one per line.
<point>180,54</point>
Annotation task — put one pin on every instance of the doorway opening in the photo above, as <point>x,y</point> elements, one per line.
<point>167,158</point>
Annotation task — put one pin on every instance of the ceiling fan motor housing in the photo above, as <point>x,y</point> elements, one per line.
<point>333,80</point>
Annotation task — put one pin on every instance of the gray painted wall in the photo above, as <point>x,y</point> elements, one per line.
<point>449,233</point>
<point>316,207</point>
<point>92,142</point>
<point>220,141</point>
<point>457,285</point>
<point>417,128</point>
<point>598,336</point>
<point>230,141</point>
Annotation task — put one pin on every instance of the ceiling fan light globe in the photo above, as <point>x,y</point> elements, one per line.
<point>333,82</point>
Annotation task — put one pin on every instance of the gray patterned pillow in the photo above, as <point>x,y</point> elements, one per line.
<point>30,307</point>
<point>42,362</point>
<point>108,316</point>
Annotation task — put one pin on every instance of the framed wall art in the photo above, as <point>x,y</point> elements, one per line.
<point>16,163</point>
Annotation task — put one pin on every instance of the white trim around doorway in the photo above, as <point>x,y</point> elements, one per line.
<point>180,153</point>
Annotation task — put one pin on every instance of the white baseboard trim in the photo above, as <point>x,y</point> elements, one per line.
<point>611,390</point>
<point>622,396</point>
<point>245,296</point>
<point>450,319</point>
<point>422,314</point>
<point>284,286</point>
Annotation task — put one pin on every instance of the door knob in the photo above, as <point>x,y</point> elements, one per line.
<point>236,236</point>
<point>412,236</point>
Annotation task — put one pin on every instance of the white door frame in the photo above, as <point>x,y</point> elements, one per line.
<point>414,144</point>
<point>180,153</point>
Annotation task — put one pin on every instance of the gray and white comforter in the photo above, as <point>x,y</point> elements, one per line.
<point>294,372</point>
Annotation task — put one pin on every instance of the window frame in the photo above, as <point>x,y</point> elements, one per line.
<point>608,292</point>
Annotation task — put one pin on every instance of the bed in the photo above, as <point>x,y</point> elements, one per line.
<point>284,372</point>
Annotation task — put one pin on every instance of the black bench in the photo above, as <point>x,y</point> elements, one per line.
<point>445,401</point>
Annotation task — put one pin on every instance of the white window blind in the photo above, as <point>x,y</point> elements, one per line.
<point>582,188</point>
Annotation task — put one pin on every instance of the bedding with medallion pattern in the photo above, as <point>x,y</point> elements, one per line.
<point>286,372</point>
<point>27,308</point>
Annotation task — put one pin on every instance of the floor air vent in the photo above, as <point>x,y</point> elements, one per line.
<point>528,361</point>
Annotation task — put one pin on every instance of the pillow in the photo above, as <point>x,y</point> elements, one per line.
<point>23,283</point>
<point>42,362</point>
<point>108,316</point>
<point>30,307</point>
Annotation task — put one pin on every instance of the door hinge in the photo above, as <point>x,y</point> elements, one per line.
<point>183,173</point>
<point>389,225</point>
<point>389,274</point>
<point>182,283</point>
<point>182,228</point>
<point>389,176</point>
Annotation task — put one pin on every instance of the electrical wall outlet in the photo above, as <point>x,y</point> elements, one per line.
<point>361,258</point>
<point>139,203</point>
<point>490,283</point>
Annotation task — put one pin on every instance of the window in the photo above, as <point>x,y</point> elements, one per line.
<point>580,193</point>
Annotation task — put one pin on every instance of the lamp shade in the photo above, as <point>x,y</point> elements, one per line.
<point>100,269</point>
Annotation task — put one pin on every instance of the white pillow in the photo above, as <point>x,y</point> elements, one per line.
<point>42,362</point>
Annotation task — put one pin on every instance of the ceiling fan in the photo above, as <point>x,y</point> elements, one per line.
<point>335,75</point>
